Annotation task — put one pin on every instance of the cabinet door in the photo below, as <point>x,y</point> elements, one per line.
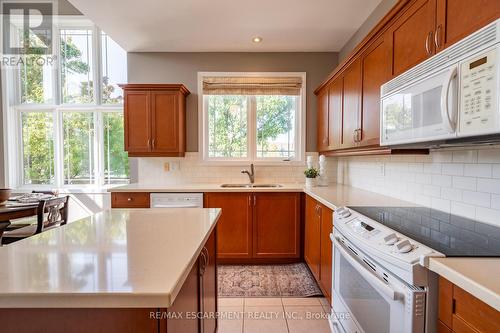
<point>208,286</point>
<point>312,240</point>
<point>165,124</point>
<point>458,18</point>
<point>137,121</point>
<point>187,301</point>
<point>326,250</point>
<point>323,120</point>
<point>351,104</point>
<point>276,228</point>
<point>234,229</point>
<point>376,63</point>
<point>412,35</point>
<point>335,113</point>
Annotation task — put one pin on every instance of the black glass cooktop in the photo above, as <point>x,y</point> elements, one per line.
<point>452,235</point>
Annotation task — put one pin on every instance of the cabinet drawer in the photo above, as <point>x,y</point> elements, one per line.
<point>130,200</point>
<point>472,315</point>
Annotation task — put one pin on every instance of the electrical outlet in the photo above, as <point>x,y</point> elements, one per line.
<point>166,166</point>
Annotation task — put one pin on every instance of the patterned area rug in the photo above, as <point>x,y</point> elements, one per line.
<point>290,280</point>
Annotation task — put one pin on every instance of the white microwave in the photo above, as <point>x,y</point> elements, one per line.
<point>455,94</point>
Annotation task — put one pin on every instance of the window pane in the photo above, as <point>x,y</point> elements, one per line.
<point>78,144</point>
<point>114,70</point>
<point>227,126</point>
<point>76,63</point>
<point>116,168</point>
<point>276,126</point>
<point>35,77</point>
<point>38,147</point>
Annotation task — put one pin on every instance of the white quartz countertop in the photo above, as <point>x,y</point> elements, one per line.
<point>115,259</point>
<point>477,276</point>
<point>207,187</point>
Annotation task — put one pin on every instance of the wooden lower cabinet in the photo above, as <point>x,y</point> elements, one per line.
<point>460,312</point>
<point>198,295</point>
<point>276,225</point>
<point>257,227</point>
<point>317,243</point>
<point>234,229</point>
<point>130,200</point>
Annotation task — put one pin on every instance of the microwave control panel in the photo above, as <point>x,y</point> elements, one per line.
<point>479,112</point>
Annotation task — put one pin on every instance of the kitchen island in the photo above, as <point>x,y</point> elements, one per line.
<point>122,270</point>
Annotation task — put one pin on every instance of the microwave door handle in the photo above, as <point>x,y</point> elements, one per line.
<point>445,112</point>
<point>372,279</point>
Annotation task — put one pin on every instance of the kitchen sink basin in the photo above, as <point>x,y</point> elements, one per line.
<point>251,185</point>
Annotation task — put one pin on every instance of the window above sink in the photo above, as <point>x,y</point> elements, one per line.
<point>252,118</point>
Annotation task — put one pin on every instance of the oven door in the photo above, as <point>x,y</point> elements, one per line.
<point>424,111</point>
<point>364,302</point>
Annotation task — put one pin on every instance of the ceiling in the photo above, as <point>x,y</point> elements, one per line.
<point>228,25</point>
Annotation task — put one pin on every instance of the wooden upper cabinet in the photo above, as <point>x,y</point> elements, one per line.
<point>376,69</point>
<point>312,230</point>
<point>276,231</point>
<point>335,95</point>
<point>155,119</point>
<point>323,139</point>
<point>234,229</point>
<point>351,104</point>
<point>412,35</point>
<point>137,121</point>
<point>458,18</point>
<point>166,122</point>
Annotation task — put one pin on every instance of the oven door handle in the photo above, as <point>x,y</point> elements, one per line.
<point>371,278</point>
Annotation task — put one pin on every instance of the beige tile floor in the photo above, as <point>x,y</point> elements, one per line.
<point>273,315</point>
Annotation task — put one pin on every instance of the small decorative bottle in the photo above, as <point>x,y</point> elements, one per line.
<point>323,177</point>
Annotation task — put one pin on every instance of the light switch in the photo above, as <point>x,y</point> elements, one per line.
<point>166,166</point>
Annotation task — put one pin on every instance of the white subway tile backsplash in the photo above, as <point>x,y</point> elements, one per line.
<point>454,169</point>
<point>496,170</point>
<point>489,156</point>
<point>488,215</point>
<point>451,194</point>
<point>495,201</point>
<point>477,198</point>
<point>464,183</point>
<point>441,180</point>
<point>488,185</point>
<point>478,170</point>
<point>465,156</point>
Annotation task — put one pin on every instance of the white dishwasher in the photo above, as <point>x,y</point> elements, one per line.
<point>176,200</point>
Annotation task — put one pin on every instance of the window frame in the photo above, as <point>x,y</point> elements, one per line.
<point>14,108</point>
<point>300,124</point>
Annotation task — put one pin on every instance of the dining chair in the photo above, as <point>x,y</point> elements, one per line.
<point>51,213</point>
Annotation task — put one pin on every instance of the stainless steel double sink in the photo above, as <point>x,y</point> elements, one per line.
<point>250,185</point>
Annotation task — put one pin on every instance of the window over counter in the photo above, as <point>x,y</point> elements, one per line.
<point>64,117</point>
<point>252,117</point>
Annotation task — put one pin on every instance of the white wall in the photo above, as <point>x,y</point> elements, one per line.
<point>465,182</point>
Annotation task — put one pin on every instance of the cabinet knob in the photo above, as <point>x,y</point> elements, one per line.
<point>129,199</point>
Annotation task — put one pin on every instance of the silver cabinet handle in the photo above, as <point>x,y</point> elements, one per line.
<point>437,36</point>
<point>427,47</point>
<point>149,141</point>
<point>154,141</point>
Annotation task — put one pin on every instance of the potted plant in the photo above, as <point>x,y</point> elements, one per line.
<point>311,174</point>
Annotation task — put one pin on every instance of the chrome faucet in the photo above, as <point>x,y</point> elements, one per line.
<point>251,173</point>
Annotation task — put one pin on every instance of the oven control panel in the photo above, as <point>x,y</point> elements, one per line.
<point>479,94</point>
<point>378,236</point>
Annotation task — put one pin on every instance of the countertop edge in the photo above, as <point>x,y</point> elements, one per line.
<point>473,287</point>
